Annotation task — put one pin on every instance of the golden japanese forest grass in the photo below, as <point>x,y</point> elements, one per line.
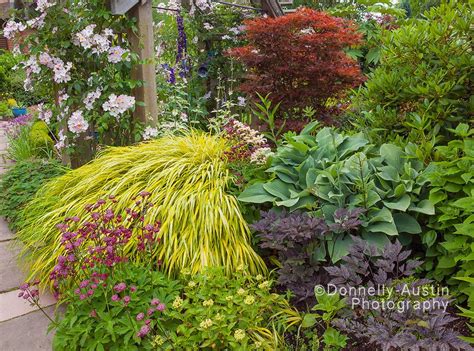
<point>201,224</point>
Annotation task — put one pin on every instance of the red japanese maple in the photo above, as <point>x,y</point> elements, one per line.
<point>299,58</point>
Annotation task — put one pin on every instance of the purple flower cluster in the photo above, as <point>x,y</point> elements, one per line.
<point>155,306</point>
<point>94,247</point>
<point>30,292</point>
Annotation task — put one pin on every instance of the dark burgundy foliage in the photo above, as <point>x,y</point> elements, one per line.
<point>388,329</point>
<point>294,237</point>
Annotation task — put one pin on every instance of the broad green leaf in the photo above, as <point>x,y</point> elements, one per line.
<point>309,320</point>
<point>392,154</point>
<point>383,227</point>
<point>256,194</point>
<point>278,188</point>
<point>401,204</point>
<point>406,223</point>
<point>424,206</point>
<point>446,262</point>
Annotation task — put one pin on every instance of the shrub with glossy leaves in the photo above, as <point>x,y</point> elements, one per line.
<point>299,58</point>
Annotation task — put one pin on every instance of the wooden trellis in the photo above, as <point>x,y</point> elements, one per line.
<point>142,44</point>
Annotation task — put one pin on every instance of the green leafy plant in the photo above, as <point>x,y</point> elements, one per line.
<point>41,141</point>
<point>20,183</point>
<point>450,240</point>
<point>325,311</point>
<point>331,170</point>
<point>221,313</point>
<point>421,88</point>
<point>188,179</point>
<point>266,113</point>
<point>5,110</point>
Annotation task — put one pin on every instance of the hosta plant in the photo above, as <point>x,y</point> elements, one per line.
<point>332,170</point>
<point>187,176</point>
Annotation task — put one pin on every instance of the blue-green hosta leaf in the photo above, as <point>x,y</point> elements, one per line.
<point>393,156</point>
<point>352,144</point>
<point>401,204</point>
<point>389,173</point>
<point>406,223</point>
<point>424,206</point>
<point>288,202</point>
<point>278,188</point>
<point>378,239</point>
<point>256,194</point>
<point>399,190</point>
<point>382,215</point>
<point>311,176</point>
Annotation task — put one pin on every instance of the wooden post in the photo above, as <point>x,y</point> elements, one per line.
<point>143,44</point>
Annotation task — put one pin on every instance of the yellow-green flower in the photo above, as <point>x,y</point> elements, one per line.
<point>257,344</point>
<point>264,285</point>
<point>206,323</point>
<point>208,303</point>
<point>241,291</point>
<point>259,277</point>
<point>192,284</point>
<point>229,298</point>
<point>239,334</point>
<point>158,341</point>
<point>249,300</point>
<point>178,302</point>
<point>218,317</point>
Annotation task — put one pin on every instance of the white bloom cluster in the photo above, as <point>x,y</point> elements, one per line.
<point>44,114</point>
<point>116,105</point>
<point>260,155</point>
<point>91,98</point>
<point>98,43</point>
<point>77,124</point>
<point>203,5</point>
<point>150,133</point>
<point>61,142</point>
<point>60,69</point>
<point>38,22</point>
<point>117,54</point>
<point>249,135</point>
<point>12,28</point>
<point>43,5</point>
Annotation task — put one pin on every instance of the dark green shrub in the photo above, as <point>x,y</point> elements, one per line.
<point>20,184</point>
<point>422,87</point>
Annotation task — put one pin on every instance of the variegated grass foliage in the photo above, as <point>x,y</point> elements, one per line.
<point>201,224</point>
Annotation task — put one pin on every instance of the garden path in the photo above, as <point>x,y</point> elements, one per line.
<point>22,327</point>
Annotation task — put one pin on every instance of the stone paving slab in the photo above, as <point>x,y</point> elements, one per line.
<point>5,233</point>
<point>10,274</point>
<point>26,333</point>
<point>12,306</point>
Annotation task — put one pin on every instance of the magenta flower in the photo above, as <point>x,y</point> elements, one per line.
<point>150,311</point>
<point>143,331</point>
<point>140,316</point>
<point>93,314</point>
<point>155,302</point>
<point>126,300</point>
<point>133,288</point>
<point>120,287</point>
<point>115,298</point>
<point>161,307</point>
